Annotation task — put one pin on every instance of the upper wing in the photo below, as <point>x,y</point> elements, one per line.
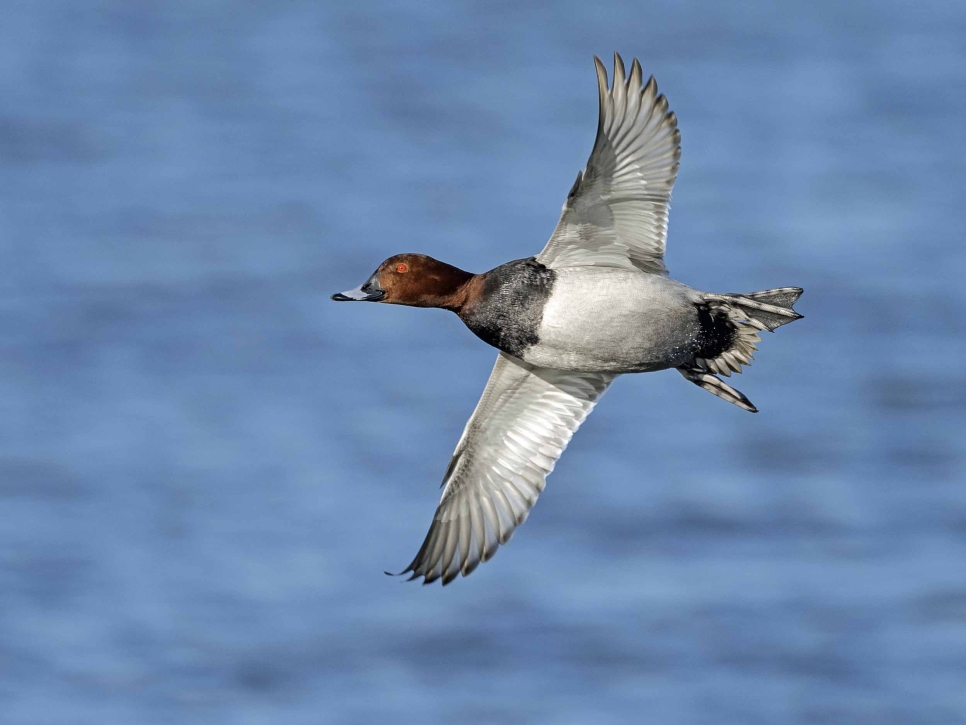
<point>616,212</point>
<point>520,427</point>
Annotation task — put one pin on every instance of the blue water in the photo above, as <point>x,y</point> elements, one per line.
<point>205,465</point>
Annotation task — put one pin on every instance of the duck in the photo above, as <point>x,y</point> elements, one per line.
<point>595,304</point>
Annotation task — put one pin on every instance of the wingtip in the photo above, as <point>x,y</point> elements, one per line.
<point>602,91</point>
<point>619,69</point>
<point>601,74</point>
<point>634,79</point>
<point>408,570</point>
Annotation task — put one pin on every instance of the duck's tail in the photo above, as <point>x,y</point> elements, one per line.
<point>730,324</point>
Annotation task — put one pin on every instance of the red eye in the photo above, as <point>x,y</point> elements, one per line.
<point>402,268</point>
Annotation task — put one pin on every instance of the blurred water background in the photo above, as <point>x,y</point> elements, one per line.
<point>205,465</point>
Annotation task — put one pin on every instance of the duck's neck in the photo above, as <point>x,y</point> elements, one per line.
<point>440,285</point>
<point>457,289</point>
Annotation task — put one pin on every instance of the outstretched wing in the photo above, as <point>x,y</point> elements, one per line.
<point>616,212</point>
<point>520,427</point>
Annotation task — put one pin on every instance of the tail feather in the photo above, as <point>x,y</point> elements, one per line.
<point>744,316</point>
<point>772,308</point>
<point>780,296</point>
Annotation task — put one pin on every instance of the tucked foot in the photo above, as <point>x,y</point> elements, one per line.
<point>716,386</point>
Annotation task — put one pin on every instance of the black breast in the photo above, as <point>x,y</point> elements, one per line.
<point>508,311</point>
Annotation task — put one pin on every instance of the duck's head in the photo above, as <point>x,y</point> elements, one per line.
<point>411,279</point>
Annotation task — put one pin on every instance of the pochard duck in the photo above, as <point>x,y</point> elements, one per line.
<point>596,303</point>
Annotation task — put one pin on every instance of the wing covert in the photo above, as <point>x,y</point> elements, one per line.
<point>617,211</point>
<point>520,427</point>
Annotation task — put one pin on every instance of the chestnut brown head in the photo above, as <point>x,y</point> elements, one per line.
<point>411,279</point>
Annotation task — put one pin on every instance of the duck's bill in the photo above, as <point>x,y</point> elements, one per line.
<point>362,293</point>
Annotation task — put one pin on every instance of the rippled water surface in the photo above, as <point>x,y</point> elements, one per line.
<point>205,465</point>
